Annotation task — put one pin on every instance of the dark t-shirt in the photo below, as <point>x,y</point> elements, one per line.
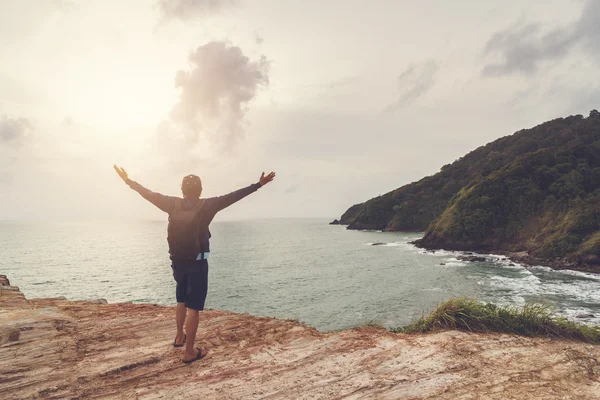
<point>211,207</point>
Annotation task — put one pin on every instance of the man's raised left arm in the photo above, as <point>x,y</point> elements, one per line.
<point>225,201</point>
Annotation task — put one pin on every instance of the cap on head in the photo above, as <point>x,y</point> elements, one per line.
<point>191,185</point>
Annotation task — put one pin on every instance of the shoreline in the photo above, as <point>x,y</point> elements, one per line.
<point>521,257</point>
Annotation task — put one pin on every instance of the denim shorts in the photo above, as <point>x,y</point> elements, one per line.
<point>192,282</point>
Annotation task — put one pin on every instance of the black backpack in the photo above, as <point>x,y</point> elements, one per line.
<point>182,232</point>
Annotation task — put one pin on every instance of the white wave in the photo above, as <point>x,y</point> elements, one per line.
<point>528,285</point>
<point>573,313</point>
<point>440,253</point>
<point>541,268</point>
<point>525,276</point>
<point>496,257</point>
<point>456,264</point>
<point>587,275</point>
<point>411,238</point>
<point>581,291</point>
<point>382,244</point>
<point>453,262</point>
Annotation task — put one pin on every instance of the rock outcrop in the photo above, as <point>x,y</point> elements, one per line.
<point>58,349</point>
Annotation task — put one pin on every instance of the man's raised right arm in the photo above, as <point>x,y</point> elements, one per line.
<point>165,203</point>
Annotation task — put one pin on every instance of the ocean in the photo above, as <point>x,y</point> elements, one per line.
<point>323,275</point>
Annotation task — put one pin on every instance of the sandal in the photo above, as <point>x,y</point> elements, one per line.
<point>180,345</point>
<point>202,352</point>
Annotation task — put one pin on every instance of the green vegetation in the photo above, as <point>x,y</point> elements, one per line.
<point>532,320</point>
<point>537,191</point>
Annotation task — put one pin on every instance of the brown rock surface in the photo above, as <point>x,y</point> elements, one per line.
<point>57,349</point>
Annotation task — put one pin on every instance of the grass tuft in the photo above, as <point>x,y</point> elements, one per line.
<point>532,320</point>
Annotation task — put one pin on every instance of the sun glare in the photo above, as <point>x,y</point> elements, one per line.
<point>118,96</point>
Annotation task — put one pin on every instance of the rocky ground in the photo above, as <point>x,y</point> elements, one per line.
<point>58,349</point>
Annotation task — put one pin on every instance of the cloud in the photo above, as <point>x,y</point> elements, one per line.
<point>215,95</point>
<point>587,28</point>
<point>522,48</point>
<point>185,10</point>
<point>413,83</point>
<point>65,6</point>
<point>14,131</point>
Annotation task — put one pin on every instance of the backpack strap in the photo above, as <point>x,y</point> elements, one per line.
<point>199,205</point>
<point>178,205</point>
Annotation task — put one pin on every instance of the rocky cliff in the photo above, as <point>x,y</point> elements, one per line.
<point>58,349</point>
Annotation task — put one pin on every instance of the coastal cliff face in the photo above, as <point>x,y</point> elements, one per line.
<point>57,349</point>
<point>537,191</point>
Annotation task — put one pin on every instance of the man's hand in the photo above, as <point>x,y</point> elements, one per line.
<point>121,173</point>
<point>266,179</point>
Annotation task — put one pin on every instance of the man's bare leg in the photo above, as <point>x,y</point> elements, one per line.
<point>191,326</point>
<point>180,311</point>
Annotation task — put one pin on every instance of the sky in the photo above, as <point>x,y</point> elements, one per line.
<point>344,99</point>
